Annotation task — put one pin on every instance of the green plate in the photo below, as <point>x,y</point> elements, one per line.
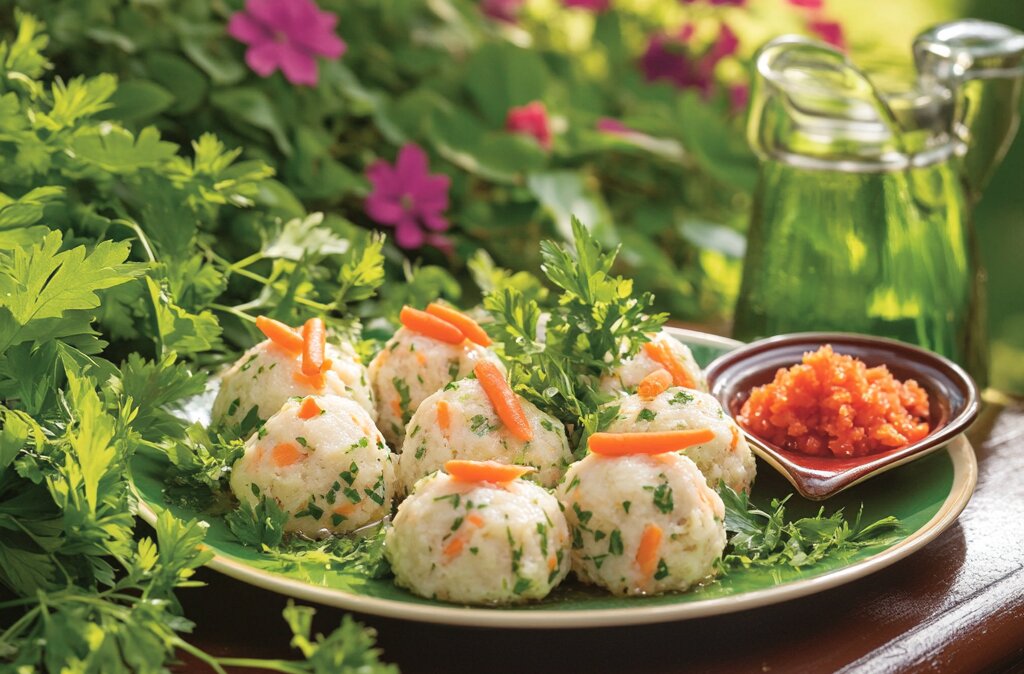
<point>926,495</point>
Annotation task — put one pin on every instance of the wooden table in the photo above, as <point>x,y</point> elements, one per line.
<point>955,606</point>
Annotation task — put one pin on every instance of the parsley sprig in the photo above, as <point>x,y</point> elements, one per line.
<point>766,538</point>
<point>595,323</point>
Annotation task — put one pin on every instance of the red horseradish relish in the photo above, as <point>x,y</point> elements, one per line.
<point>831,404</point>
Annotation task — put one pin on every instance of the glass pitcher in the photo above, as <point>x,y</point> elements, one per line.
<point>861,220</point>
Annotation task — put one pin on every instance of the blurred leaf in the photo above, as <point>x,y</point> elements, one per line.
<point>139,99</point>
<point>500,157</point>
<point>715,237</point>
<point>717,145</point>
<point>251,106</point>
<point>184,79</point>
<point>500,76</point>
<point>564,195</point>
<point>212,53</point>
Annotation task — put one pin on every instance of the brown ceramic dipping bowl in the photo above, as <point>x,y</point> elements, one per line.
<point>952,394</point>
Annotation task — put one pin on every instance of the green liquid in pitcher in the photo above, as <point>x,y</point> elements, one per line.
<point>887,253</point>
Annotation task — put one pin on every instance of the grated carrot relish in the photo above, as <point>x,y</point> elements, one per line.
<point>831,404</point>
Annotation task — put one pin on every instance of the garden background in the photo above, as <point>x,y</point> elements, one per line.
<point>628,114</point>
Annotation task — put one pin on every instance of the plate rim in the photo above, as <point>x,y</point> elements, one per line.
<point>965,477</point>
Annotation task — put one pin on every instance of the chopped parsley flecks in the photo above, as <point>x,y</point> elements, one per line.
<point>615,542</point>
<point>646,415</point>
<point>404,400</point>
<point>311,510</point>
<point>661,571</point>
<point>681,398</point>
<point>625,506</point>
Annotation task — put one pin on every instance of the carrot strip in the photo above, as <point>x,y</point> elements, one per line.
<point>647,551</point>
<point>454,547</point>
<point>344,509</point>
<point>314,381</point>
<point>475,520</point>
<point>735,439</point>
<point>396,407</point>
<point>484,471</point>
<point>624,444</point>
<point>654,384</point>
<point>660,353</point>
<point>444,417</point>
<point>552,563</point>
<point>470,328</point>
<point>285,454</point>
<point>309,409</point>
<point>430,326</point>
<point>314,345</point>
<point>504,400</point>
<point>280,334</point>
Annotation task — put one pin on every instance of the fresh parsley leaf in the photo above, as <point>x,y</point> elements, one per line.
<point>766,538</point>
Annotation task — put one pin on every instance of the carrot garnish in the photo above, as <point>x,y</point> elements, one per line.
<point>647,551</point>
<point>313,346</point>
<point>623,444</point>
<point>504,400</point>
<point>344,509</point>
<point>454,547</point>
<point>470,328</point>
<point>552,563</point>
<point>660,353</point>
<point>444,417</point>
<point>475,520</point>
<point>654,384</point>
<point>313,381</point>
<point>430,326</point>
<point>485,471</point>
<point>396,407</point>
<point>309,409</point>
<point>280,334</point>
<point>735,439</point>
<point>285,454</point>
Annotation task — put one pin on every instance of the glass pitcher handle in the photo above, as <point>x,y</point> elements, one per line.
<point>982,64</point>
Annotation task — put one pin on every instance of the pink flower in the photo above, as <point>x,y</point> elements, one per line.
<point>669,58</point>
<point>829,31</point>
<point>592,5</point>
<point>286,34</point>
<point>530,120</point>
<point>501,10</point>
<point>407,197</point>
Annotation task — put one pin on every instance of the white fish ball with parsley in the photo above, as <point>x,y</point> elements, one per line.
<point>462,421</point>
<point>643,520</point>
<point>323,461</point>
<point>663,352</point>
<point>423,356</point>
<point>276,369</point>
<point>477,534</point>
<point>659,407</point>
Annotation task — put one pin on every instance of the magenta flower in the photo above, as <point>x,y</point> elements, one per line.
<point>501,10</point>
<point>592,5</point>
<point>669,58</point>
<point>288,35</point>
<point>530,120</point>
<point>829,31</point>
<point>733,3</point>
<point>407,197</point>
<point>807,4</point>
